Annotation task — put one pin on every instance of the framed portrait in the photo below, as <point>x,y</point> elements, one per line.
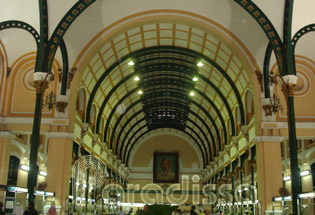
<point>165,167</point>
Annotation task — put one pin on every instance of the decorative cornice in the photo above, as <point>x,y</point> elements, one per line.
<point>269,138</point>
<point>7,134</point>
<point>60,135</point>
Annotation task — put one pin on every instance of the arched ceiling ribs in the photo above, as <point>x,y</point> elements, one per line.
<point>177,111</point>
<point>169,49</point>
<point>188,70</point>
<point>21,25</point>
<point>62,28</point>
<point>288,49</point>
<point>65,67</point>
<point>267,27</point>
<point>266,70</point>
<point>151,95</point>
<point>300,33</point>
<point>174,126</point>
<point>27,27</point>
<point>199,92</point>
<point>123,127</point>
<point>205,151</point>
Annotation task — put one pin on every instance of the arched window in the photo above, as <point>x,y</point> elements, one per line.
<point>108,134</point>
<point>81,103</point>
<point>101,128</point>
<point>237,120</point>
<point>249,106</point>
<point>93,117</point>
<point>229,130</point>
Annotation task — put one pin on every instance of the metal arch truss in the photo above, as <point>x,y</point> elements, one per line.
<point>178,111</point>
<point>175,96</point>
<point>172,50</point>
<point>21,25</point>
<point>306,29</point>
<point>172,68</point>
<point>267,27</point>
<point>141,111</point>
<point>185,97</point>
<point>62,28</point>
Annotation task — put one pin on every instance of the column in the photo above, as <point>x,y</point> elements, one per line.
<point>269,169</point>
<point>59,169</point>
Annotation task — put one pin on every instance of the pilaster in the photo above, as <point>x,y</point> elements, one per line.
<point>59,169</point>
<point>269,169</point>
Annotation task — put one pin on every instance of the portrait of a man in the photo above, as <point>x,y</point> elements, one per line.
<point>165,169</point>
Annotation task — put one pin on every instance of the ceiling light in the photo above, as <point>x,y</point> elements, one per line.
<point>306,195</point>
<point>200,64</point>
<point>195,79</point>
<point>131,63</point>
<point>140,92</point>
<point>25,167</point>
<point>191,93</point>
<point>43,173</point>
<point>136,78</point>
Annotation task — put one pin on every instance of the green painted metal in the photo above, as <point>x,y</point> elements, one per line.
<point>114,109</point>
<point>267,27</point>
<point>140,120</point>
<point>65,67</point>
<point>21,25</point>
<point>198,91</point>
<point>295,174</point>
<point>300,33</point>
<point>43,33</point>
<point>62,28</point>
<point>126,158</point>
<point>154,70</point>
<point>289,65</point>
<point>33,171</point>
<point>126,123</point>
<point>288,50</point>
<point>162,49</point>
<point>140,111</point>
<point>266,70</point>
<point>187,68</point>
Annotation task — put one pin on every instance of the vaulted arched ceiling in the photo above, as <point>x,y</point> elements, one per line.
<point>165,59</point>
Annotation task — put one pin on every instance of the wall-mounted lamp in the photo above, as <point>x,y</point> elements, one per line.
<point>25,167</point>
<point>272,105</point>
<point>303,173</point>
<point>287,178</point>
